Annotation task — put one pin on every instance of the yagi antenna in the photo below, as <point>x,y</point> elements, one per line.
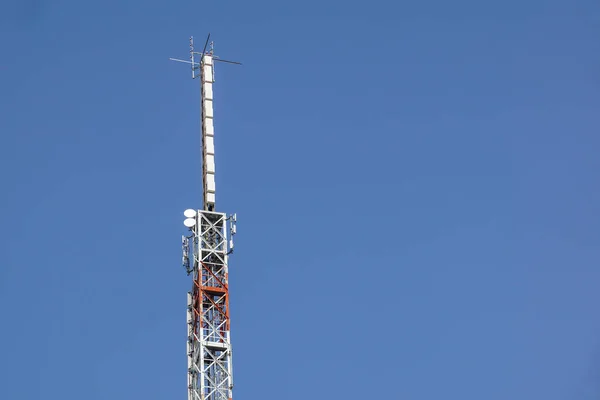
<point>196,65</point>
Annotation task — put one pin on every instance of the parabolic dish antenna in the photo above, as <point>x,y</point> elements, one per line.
<point>189,213</point>
<point>189,222</point>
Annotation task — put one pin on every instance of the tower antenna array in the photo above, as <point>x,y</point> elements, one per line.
<point>205,257</point>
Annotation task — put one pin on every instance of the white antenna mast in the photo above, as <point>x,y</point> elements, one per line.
<point>207,74</point>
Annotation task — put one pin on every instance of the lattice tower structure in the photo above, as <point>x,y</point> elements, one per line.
<point>205,257</point>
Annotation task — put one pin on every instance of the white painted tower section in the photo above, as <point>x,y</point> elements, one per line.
<point>208,133</point>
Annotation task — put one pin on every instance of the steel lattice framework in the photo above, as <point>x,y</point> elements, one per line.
<point>205,255</point>
<point>209,343</point>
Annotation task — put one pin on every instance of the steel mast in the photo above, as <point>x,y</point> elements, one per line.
<point>205,258</point>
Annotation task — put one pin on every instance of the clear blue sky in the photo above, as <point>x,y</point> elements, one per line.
<point>416,186</point>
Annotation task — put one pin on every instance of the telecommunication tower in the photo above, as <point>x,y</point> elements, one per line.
<point>205,257</point>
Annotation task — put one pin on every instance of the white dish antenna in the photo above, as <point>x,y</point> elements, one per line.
<point>189,213</point>
<point>189,222</point>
